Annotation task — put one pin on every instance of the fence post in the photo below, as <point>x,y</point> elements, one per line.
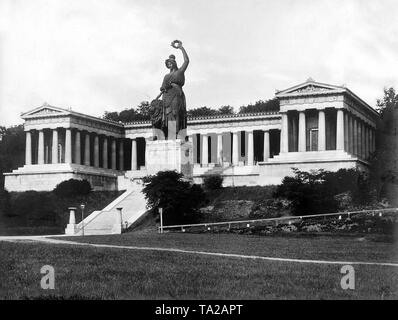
<point>161,219</point>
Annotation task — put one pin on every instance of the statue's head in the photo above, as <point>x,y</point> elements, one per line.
<point>171,62</point>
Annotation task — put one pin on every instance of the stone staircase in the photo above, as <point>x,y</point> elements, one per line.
<point>107,220</point>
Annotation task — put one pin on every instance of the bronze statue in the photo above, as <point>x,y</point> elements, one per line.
<point>170,113</point>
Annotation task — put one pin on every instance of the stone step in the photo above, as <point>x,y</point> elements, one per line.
<point>133,206</point>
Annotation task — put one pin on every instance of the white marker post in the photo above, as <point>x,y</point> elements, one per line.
<point>161,219</point>
<point>82,206</point>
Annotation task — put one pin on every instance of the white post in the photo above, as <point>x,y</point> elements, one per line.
<point>134,154</point>
<point>72,218</point>
<point>302,147</point>
<point>28,148</point>
<point>71,226</point>
<point>250,148</point>
<point>161,219</point>
<point>321,130</point>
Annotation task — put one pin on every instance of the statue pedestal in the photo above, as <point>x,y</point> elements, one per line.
<point>164,155</point>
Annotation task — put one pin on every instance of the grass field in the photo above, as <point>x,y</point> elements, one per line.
<point>108,273</point>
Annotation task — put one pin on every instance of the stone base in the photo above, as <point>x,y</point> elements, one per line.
<point>70,229</point>
<point>164,155</point>
<point>275,169</point>
<point>46,177</point>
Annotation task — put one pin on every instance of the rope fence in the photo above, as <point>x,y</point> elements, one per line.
<point>282,220</point>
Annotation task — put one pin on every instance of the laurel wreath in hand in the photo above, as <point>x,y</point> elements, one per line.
<point>176,44</point>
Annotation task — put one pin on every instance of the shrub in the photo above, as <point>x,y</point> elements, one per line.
<point>72,187</point>
<point>317,191</point>
<point>213,182</point>
<point>34,208</point>
<point>179,198</point>
<point>5,207</point>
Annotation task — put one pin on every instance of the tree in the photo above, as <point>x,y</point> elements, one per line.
<point>315,191</point>
<point>179,199</point>
<point>140,113</point>
<point>261,106</point>
<point>201,112</point>
<point>226,110</point>
<point>384,166</point>
<point>12,150</point>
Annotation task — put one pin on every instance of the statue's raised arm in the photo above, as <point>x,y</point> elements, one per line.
<point>178,45</point>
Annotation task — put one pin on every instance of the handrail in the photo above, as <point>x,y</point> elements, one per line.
<point>301,217</point>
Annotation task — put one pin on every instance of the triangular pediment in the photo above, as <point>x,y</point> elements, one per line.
<point>310,87</point>
<point>45,110</point>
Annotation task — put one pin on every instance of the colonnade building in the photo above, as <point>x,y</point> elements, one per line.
<point>318,126</point>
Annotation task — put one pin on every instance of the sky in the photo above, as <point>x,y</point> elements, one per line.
<point>102,55</point>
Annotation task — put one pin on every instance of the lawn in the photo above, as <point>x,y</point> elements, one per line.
<point>107,273</point>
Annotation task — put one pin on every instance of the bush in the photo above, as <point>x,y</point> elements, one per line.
<point>179,199</point>
<point>34,208</point>
<point>213,182</point>
<point>5,207</point>
<point>318,191</point>
<point>72,187</point>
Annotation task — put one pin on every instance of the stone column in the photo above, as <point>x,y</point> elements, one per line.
<point>205,150</point>
<point>78,157</point>
<point>359,138</point>
<point>373,145</point>
<point>250,148</point>
<point>302,146</point>
<point>219,149</point>
<point>28,148</point>
<point>68,146</point>
<point>105,153</point>
<point>54,147</point>
<point>121,155</point>
<point>266,146</point>
<point>351,134</point>
<point>321,131</point>
<point>284,134</point>
<point>113,153</point>
<point>363,140</point>
<point>355,136</point>
<point>346,131</point>
<point>40,148</point>
<point>87,149</point>
<point>96,151</point>
<point>340,130</point>
<point>134,154</point>
<point>235,148</point>
<point>366,141</point>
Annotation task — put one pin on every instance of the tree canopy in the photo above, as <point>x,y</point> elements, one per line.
<point>384,166</point>
<point>141,112</point>
<point>12,149</point>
